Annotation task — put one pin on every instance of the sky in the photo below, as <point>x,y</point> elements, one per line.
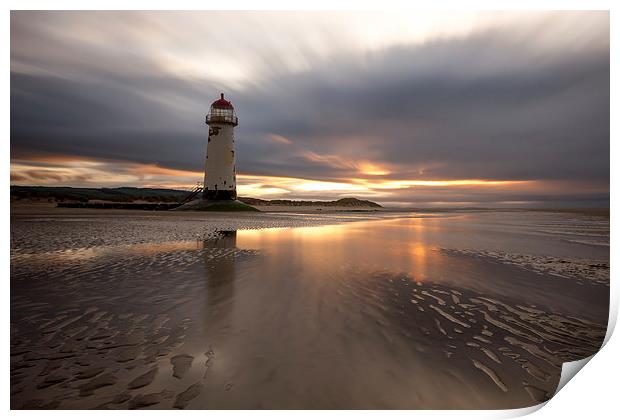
<point>424,109</point>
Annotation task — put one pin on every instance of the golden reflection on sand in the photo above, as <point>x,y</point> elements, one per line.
<point>85,254</point>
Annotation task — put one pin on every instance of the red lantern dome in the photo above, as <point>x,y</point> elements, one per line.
<point>222,103</point>
<point>222,112</point>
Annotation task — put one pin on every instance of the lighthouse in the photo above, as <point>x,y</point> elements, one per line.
<point>219,190</point>
<point>220,172</point>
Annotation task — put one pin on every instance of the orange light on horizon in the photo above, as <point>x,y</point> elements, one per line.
<point>91,172</point>
<point>406,183</point>
<point>153,169</point>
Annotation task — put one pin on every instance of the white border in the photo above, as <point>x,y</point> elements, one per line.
<point>593,394</point>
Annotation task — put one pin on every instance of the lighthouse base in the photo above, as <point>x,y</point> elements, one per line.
<point>219,195</point>
<point>215,205</point>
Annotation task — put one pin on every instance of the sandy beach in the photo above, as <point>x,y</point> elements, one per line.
<point>129,309</point>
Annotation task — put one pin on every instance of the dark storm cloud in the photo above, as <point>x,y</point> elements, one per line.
<point>492,105</point>
<point>536,118</point>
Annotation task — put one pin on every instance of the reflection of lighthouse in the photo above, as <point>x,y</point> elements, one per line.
<point>220,178</point>
<point>220,277</point>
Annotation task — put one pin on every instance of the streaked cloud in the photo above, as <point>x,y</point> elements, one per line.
<point>279,139</point>
<point>414,107</point>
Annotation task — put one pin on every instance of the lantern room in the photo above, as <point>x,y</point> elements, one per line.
<point>222,112</point>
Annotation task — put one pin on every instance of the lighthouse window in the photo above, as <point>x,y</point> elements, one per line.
<point>221,115</point>
<point>218,112</point>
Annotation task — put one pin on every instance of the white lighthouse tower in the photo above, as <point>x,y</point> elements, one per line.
<point>220,172</point>
<point>219,191</point>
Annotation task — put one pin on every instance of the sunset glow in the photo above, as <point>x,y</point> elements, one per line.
<point>63,170</point>
<point>403,108</point>
<point>77,171</point>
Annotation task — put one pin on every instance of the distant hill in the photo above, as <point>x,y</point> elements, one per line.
<point>122,194</point>
<point>156,195</point>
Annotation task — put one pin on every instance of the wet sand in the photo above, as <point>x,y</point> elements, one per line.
<point>126,309</point>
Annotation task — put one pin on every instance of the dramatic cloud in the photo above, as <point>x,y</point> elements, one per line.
<point>462,108</point>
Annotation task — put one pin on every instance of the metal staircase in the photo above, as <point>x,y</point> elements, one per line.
<point>193,193</point>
